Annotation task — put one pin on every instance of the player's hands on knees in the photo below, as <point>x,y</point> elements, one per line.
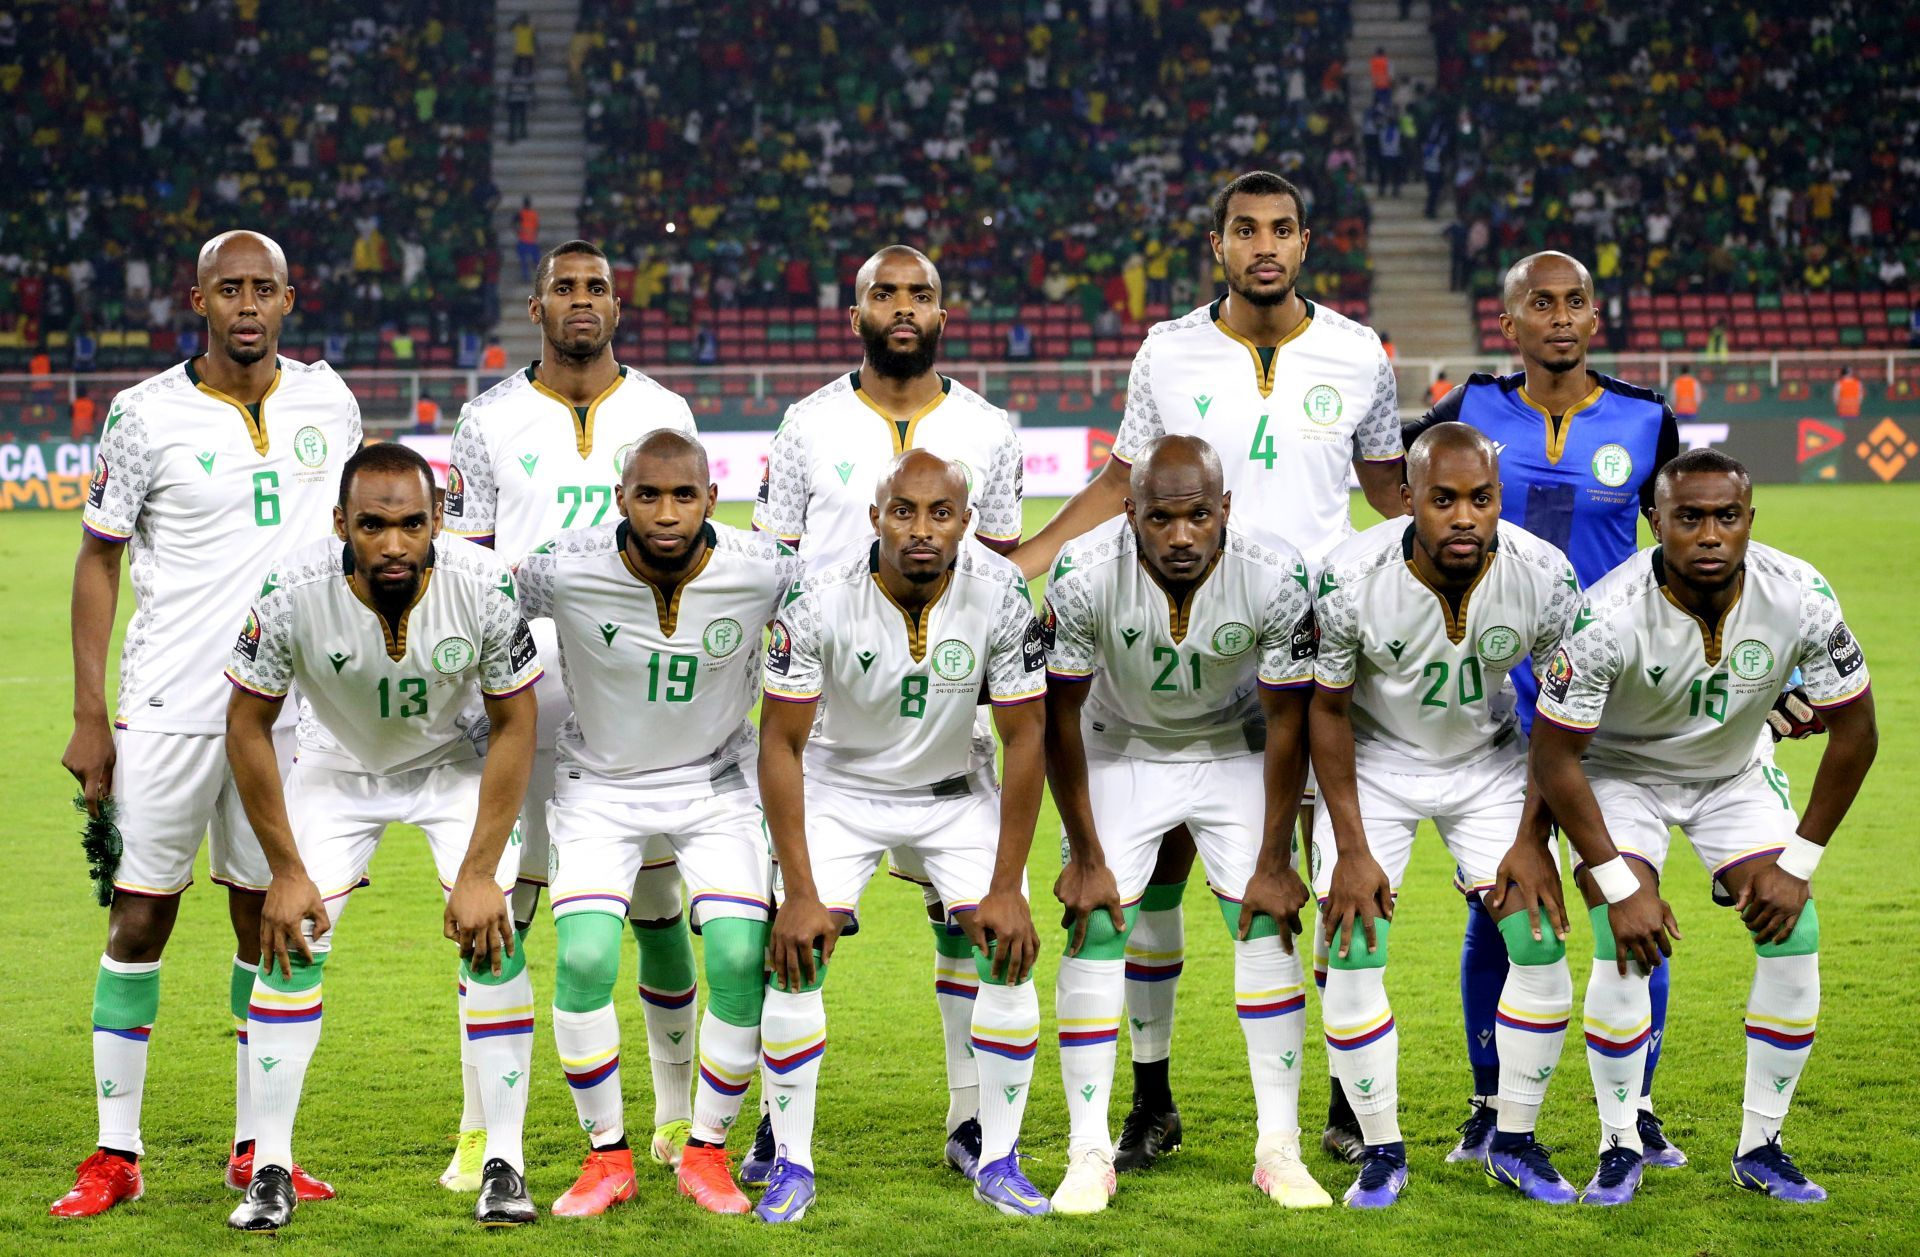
<point>1771,903</point>
<point>1360,892</point>
<point>1279,894</point>
<point>89,757</point>
<point>292,899</point>
<point>801,926</point>
<point>1793,716</point>
<point>1002,928</point>
<point>1085,888</point>
<point>1642,925</point>
<point>1529,879</point>
<point>477,919</point>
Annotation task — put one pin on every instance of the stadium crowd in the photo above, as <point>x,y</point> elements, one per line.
<point>363,142</point>
<point>1748,147</point>
<point>1056,151</point>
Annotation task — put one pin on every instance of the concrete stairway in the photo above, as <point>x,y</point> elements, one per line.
<point>1410,297</point>
<point>549,165</point>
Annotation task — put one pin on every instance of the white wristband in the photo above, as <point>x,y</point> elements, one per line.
<point>1800,857</point>
<point>1615,880</point>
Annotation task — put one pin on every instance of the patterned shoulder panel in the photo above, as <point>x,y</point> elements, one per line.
<point>315,562</point>
<point>1193,318</point>
<point>826,394</point>
<point>1333,321</point>
<point>509,386</point>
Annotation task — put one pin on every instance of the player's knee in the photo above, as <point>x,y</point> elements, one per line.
<point>950,940</point>
<point>1262,925</point>
<point>302,975</point>
<point>736,950</point>
<point>1102,941</point>
<point>779,983</point>
<point>587,955</point>
<point>1524,949</point>
<point>1803,941</point>
<point>1359,955</point>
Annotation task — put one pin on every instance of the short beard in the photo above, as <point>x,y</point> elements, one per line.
<point>1561,368</point>
<point>923,578</point>
<point>247,355</point>
<point>391,597</point>
<point>892,363</point>
<point>670,563</point>
<point>1261,300</point>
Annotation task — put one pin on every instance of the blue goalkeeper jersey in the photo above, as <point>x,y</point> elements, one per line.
<point>1578,480</point>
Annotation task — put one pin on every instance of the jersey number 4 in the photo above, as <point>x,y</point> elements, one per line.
<point>1262,451</point>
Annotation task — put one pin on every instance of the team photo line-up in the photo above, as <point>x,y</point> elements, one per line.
<point>1220,661</point>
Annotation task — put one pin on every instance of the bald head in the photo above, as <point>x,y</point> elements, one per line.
<point>1548,271</point>
<point>667,447</point>
<point>240,254</point>
<point>1449,441</point>
<point>901,260</point>
<point>1174,466</point>
<point>926,474</point>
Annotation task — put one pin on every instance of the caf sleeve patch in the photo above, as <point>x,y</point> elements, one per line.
<point>249,640</point>
<point>97,491</point>
<point>1306,637</point>
<point>1559,676</point>
<point>1844,651</point>
<point>1033,647</point>
<point>1049,625</point>
<point>766,475</point>
<point>455,501</point>
<point>779,649</point>
<point>520,651</point>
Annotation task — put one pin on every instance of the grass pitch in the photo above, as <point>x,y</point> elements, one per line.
<point>383,1095</point>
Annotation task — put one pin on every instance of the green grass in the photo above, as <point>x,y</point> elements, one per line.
<point>384,1092</point>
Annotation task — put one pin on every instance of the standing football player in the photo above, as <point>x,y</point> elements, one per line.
<point>399,641</point>
<point>209,472</point>
<point>816,497</point>
<point>1295,398</point>
<point>539,452</point>
<point>1160,634</point>
<point>889,650</point>
<point>1664,686</point>
<point>659,618</point>
<point>1413,719</point>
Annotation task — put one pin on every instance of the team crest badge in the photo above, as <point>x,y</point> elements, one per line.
<point>452,655</point>
<point>310,446</point>
<point>722,638</point>
<point>1612,465</point>
<point>1751,660</point>
<point>1499,645</point>
<point>1232,638</point>
<point>953,660</point>
<point>1323,404</point>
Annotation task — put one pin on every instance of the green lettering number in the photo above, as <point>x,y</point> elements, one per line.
<point>576,497</point>
<point>266,498</point>
<point>1262,451</point>
<point>603,493</point>
<point>1708,698</point>
<point>681,672</point>
<point>1170,658</point>
<point>913,697</point>
<point>571,495</point>
<point>1470,688</point>
<point>1778,781</point>
<point>412,692</point>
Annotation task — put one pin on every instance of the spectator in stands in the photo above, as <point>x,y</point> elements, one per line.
<point>1392,165</point>
<point>1019,342</point>
<point>1683,394</point>
<point>525,46</point>
<point>528,237</point>
<point>426,414</point>
<point>1848,393</point>
<point>706,346</point>
<point>1440,387</point>
<point>85,415</point>
<point>519,106</point>
<point>1380,71</point>
<point>495,356</point>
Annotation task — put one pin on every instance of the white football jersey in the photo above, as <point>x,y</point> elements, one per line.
<point>526,465</point>
<point>660,688</point>
<point>211,494</point>
<point>383,700</point>
<point>1430,687</point>
<point>830,450</point>
<point>1177,682</point>
<point>1287,434</point>
<point>897,694</point>
<point>1667,698</point>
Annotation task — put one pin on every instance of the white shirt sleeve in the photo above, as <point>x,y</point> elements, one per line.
<point>1141,423</point>
<point>472,495</point>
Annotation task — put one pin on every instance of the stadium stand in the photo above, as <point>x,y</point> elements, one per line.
<point>361,142</point>
<point>1742,175</point>
<point>1014,146</point>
